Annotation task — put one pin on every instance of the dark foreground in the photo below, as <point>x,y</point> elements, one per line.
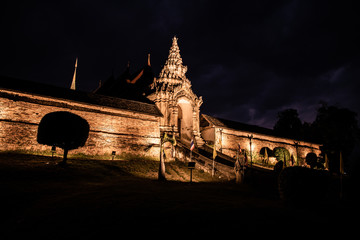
<point>44,200</point>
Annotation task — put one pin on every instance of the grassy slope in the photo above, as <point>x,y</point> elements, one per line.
<point>36,166</point>
<point>98,198</point>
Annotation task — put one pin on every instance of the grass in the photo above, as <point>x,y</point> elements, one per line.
<point>95,198</point>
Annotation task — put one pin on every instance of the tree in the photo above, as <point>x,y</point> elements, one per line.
<point>337,129</point>
<point>64,130</point>
<point>288,124</point>
<point>311,160</point>
<point>282,154</point>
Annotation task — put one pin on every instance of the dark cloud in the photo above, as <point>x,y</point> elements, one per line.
<point>248,59</point>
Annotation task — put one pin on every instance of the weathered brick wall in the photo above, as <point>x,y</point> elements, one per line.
<point>230,139</point>
<point>110,129</point>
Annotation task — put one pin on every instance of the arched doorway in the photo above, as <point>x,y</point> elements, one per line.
<point>185,118</point>
<point>266,155</point>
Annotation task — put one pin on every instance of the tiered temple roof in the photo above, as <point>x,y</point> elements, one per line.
<point>135,86</point>
<point>40,89</point>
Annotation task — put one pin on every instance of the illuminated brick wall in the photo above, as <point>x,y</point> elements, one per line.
<point>227,141</point>
<point>111,129</point>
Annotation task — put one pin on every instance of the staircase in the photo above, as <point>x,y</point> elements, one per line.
<point>223,165</point>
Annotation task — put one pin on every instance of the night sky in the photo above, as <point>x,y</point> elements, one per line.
<point>247,59</point>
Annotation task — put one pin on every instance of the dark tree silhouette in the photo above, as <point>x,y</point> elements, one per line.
<point>337,129</point>
<point>64,130</point>
<point>288,124</point>
<point>311,159</point>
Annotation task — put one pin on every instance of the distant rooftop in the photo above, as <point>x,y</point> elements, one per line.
<point>224,123</point>
<point>219,122</point>
<point>78,96</point>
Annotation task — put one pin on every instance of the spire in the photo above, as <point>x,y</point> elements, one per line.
<point>73,84</point>
<point>174,53</point>
<point>148,63</point>
<point>173,70</point>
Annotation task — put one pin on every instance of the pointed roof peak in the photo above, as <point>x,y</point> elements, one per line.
<point>73,83</point>
<point>148,61</point>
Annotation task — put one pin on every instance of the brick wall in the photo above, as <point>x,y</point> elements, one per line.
<point>111,129</point>
<point>230,139</point>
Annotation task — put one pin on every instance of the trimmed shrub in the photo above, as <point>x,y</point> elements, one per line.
<point>303,184</point>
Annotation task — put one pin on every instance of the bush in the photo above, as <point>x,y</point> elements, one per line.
<point>278,167</point>
<point>303,184</point>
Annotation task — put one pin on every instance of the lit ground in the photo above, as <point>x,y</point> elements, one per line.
<point>112,198</point>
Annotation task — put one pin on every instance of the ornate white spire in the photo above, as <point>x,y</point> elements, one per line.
<point>173,71</point>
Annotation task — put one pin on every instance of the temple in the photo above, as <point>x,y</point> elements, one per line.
<point>130,114</point>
